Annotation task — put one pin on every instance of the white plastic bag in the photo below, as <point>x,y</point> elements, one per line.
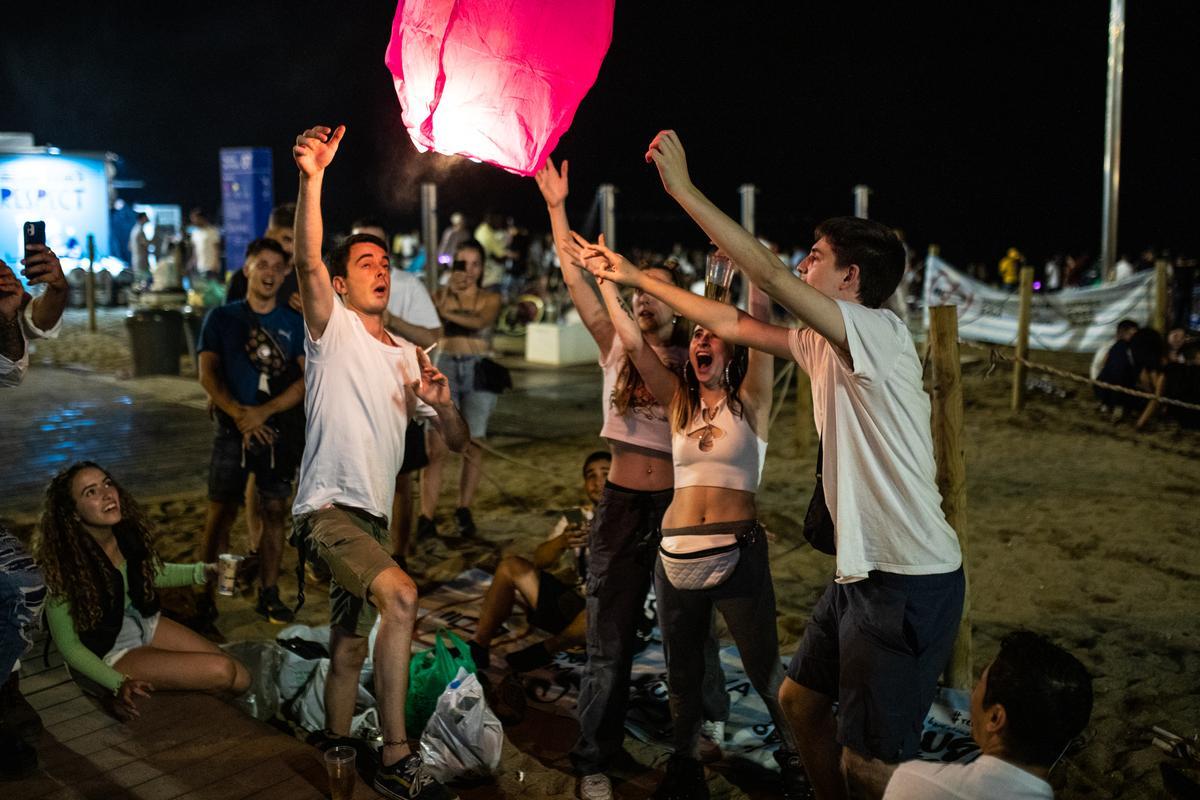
<point>309,706</point>
<point>463,738</point>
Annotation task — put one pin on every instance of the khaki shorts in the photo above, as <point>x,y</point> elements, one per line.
<point>354,545</point>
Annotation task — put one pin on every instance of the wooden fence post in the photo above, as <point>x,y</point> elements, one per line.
<point>1160,296</point>
<point>947,425</point>
<point>1026,304</point>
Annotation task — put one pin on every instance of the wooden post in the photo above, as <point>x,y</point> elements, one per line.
<point>1026,304</point>
<point>804,411</point>
<point>1160,296</point>
<point>90,285</point>
<point>947,425</point>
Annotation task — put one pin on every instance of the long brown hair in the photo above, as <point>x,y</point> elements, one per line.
<point>629,380</point>
<point>686,403</point>
<point>72,561</point>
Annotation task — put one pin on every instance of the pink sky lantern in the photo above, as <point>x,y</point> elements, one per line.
<point>495,80</point>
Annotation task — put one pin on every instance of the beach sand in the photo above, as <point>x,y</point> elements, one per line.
<point>1078,528</point>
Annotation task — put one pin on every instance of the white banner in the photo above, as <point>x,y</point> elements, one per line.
<point>1079,320</point>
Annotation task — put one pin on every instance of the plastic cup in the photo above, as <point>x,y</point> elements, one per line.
<point>718,274</point>
<point>339,763</point>
<point>227,573</point>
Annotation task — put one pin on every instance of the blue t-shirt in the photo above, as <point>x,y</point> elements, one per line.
<point>226,331</point>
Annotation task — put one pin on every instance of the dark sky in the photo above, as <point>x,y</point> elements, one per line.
<point>978,125</point>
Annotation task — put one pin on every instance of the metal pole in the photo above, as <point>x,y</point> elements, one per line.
<point>429,232</point>
<point>607,196</point>
<point>1023,312</point>
<point>748,191</point>
<point>861,193</point>
<point>1112,137</point>
<point>91,283</point>
<point>1159,323</point>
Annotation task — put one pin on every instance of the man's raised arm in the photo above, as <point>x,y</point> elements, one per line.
<point>762,267</point>
<point>313,152</point>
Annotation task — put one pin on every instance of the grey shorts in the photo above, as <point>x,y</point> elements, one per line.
<point>136,631</point>
<point>877,647</point>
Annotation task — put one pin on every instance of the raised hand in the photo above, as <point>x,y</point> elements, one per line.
<point>606,264</point>
<point>552,183</point>
<point>434,387</point>
<point>666,151</point>
<point>11,293</point>
<point>42,266</point>
<point>316,147</point>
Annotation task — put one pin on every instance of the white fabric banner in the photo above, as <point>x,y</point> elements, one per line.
<point>1078,320</point>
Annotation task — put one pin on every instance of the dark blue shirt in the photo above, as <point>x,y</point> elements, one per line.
<point>226,331</point>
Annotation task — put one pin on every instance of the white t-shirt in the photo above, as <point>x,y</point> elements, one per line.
<point>985,778</point>
<point>410,302</point>
<point>13,372</point>
<point>878,468</point>
<point>645,423</point>
<point>206,242</point>
<point>358,403</point>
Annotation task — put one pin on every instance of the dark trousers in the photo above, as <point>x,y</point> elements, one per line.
<point>746,600</point>
<point>621,550</point>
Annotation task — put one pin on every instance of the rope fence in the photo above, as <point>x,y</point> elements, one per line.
<point>998,357</point>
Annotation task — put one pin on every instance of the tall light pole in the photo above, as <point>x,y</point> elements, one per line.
<point>608,213</point>
<point>861,194</point>
<point>1112,136</point>
<point>429,234</point>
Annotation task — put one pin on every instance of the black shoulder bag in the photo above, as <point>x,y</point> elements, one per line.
<point>818,524</point>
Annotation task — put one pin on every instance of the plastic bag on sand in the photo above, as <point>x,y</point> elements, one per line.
<point>309,706</point>
<point>428,674</point>
<point>263,660</point>
<point>463,738</point>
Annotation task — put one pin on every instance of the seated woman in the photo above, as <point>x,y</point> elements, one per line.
<point>713,551</point>
<point>95,549</point>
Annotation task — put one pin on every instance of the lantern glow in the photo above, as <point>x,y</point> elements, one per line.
<point>496,81</point>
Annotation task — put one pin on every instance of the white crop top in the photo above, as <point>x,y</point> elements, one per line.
<point>645,423</point>
<point>718,450</point>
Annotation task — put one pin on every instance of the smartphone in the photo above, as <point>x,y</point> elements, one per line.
<point>575,516</point>
<point>35,233</point>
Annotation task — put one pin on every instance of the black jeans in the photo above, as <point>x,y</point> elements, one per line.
<point>746,600</point>
<point>621,551</point>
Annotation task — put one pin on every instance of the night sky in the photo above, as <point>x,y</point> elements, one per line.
<point>977,125</point>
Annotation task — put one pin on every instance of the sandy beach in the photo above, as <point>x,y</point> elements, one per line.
<point>1078,528</point>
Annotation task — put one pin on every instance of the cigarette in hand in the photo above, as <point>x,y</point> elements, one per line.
<point>430,348</point>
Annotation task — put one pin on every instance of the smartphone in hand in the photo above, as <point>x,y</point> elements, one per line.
<point>35,233</point>
<point>575,516</point>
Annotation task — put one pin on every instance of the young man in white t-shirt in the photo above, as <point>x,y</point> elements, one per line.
<point>362,386</point>
<point>883,631</point>
<point>1029,704</point>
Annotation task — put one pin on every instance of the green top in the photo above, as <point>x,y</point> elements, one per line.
<point>75,652</point>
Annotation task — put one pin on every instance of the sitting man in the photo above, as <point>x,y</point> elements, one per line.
<point>555,605</point>
<point>23,317</point>
<point>1029,704</point>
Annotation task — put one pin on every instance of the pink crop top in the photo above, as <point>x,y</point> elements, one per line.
<point>722,451</point>
<point>645,423</point>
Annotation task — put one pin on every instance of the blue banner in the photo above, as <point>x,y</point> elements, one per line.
<point>247,196</point>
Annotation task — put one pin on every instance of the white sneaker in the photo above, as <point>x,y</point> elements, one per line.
<point>712,735</point>
<point>595,787</point>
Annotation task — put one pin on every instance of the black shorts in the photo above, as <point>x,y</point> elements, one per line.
<point>557,606</point>
<point>415,455</point>
<point>877,647</point>
<point>227,475</point>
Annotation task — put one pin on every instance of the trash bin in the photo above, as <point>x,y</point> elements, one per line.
<point>193,322</point>
<point>156,340</point>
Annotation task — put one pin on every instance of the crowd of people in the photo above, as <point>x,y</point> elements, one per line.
<point>335,378</point>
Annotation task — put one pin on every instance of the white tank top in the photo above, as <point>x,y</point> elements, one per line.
<point>718,449</point>
<point>645,423</point>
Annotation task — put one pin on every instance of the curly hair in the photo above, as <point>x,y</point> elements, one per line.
<point>71,559</point>
<point>629,381</point>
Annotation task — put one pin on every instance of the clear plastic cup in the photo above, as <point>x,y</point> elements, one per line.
<point>339,763</point>
<point>718,274</point>
<point>227,573</point>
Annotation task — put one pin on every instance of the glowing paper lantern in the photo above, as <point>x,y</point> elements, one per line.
<point>495,80</point>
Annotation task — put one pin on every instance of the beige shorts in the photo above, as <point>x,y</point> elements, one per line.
<point>354,545</point>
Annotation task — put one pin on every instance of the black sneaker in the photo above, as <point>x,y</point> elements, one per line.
<point>480,654</point>
<point>792,776</point>
<point>684,780</point>
<point>408,779</point>
<point>15,711</point>
<point>529,658</point>
<point>426,528</point>
<point>466,525</point>
<point>271,607</point>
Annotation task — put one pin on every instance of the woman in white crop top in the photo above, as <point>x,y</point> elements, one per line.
<point>629,514</point>
<point>713,551</point>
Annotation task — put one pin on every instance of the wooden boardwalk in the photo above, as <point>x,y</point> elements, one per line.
<point>185,745</point>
